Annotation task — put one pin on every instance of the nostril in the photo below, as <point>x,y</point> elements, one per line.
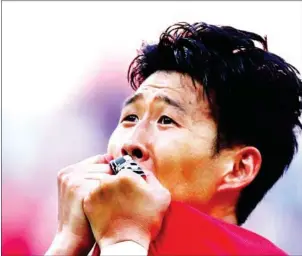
<point>124,152</point>
<point>137,153</point>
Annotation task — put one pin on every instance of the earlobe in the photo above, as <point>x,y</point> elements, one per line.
<point>243,169</point>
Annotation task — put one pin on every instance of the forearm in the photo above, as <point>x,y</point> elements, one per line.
<point>124,248</point>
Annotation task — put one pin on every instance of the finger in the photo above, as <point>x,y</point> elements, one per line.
<point>131,175</point>
<point>91,168</point>
<point>98,159</point>
<point>94,183</point>
<point>96,176</point>
<point>104,190</point>
<point>151,179</point>
<point>91,160</point>
<point>97,168</point>
<point>106,158</point>
<point>89,185</point>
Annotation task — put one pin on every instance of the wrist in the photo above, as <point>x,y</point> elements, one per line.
<point>133,235</point>
<point>68,244</point>
<point>124,248</point>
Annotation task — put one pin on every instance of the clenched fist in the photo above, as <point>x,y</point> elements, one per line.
<point>74,235</point>
<point>126,207</point>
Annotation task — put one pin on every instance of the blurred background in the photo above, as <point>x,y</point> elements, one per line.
<point>64,79</point>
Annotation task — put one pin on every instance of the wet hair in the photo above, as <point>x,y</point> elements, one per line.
<point>254,95</point>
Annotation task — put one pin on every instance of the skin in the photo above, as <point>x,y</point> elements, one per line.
<point>94,205</point>
<point>176,141</point>
<point>167,127</point>
<point>126,207</point>
<point>74,235</point>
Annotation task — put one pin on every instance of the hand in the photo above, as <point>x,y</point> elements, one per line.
<point>74,235</point>
<point>125,207</point>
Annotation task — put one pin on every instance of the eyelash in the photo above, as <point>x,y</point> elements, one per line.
<point>127,117</point>
<point>135,116</point>
<point>169,118</point>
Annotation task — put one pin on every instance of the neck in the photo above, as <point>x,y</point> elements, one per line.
<point>221,207</point>
<point>225,213</point>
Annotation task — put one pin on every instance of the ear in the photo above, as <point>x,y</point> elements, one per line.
<point>243,167</point>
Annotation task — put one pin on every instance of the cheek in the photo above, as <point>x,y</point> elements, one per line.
<point>185,166</point>
<point>182,151</point>
<point>115,143</point>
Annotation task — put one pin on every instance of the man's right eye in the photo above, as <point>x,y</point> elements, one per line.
<point>130,118</point>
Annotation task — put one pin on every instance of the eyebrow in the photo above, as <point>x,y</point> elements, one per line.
<point>160,97</point>
<point>133,99</point>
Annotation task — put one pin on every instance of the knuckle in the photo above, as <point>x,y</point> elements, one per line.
<point>165,196</point>
<point>107,189</point>
<point>88,203</point>
<point>74,187</point>
<point>126,185</point>
<point>88,198</point>
<point>168,198</point>
<point>166,192</point>
<point>72,184</point>
<point>60,175</point>
<point>64,180</point>
<point>106,196</point>
<point>125,179</point>
<point>63,172</point>
<point>107,185</point>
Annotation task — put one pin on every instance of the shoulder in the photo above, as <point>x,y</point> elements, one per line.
<point>187,231</point>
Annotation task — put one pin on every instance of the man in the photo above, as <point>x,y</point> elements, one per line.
<point>212,124</point>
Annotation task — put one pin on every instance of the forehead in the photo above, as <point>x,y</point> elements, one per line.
<point>173,84</point>
<point>178,87</point>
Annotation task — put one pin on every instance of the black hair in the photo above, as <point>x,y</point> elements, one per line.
<point>257,94</point>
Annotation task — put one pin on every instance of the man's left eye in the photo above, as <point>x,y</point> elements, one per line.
<point>166,120</point>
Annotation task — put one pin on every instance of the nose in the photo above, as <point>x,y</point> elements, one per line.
<point>137,151</point>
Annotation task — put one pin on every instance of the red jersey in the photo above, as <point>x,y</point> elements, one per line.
<point>187,231</point>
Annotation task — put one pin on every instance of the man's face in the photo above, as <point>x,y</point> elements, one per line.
<point>167,127</point>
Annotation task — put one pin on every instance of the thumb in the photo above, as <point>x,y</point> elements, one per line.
<point>105,159</point>
<point>98,159</point>
<point>151,179</point>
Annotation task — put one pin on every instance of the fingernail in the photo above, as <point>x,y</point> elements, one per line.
<point>147,173</point>
<point>108,157</point>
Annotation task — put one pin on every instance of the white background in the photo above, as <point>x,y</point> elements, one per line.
<point>52,49</point>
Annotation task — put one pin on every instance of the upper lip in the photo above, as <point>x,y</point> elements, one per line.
<point>143,164</point>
